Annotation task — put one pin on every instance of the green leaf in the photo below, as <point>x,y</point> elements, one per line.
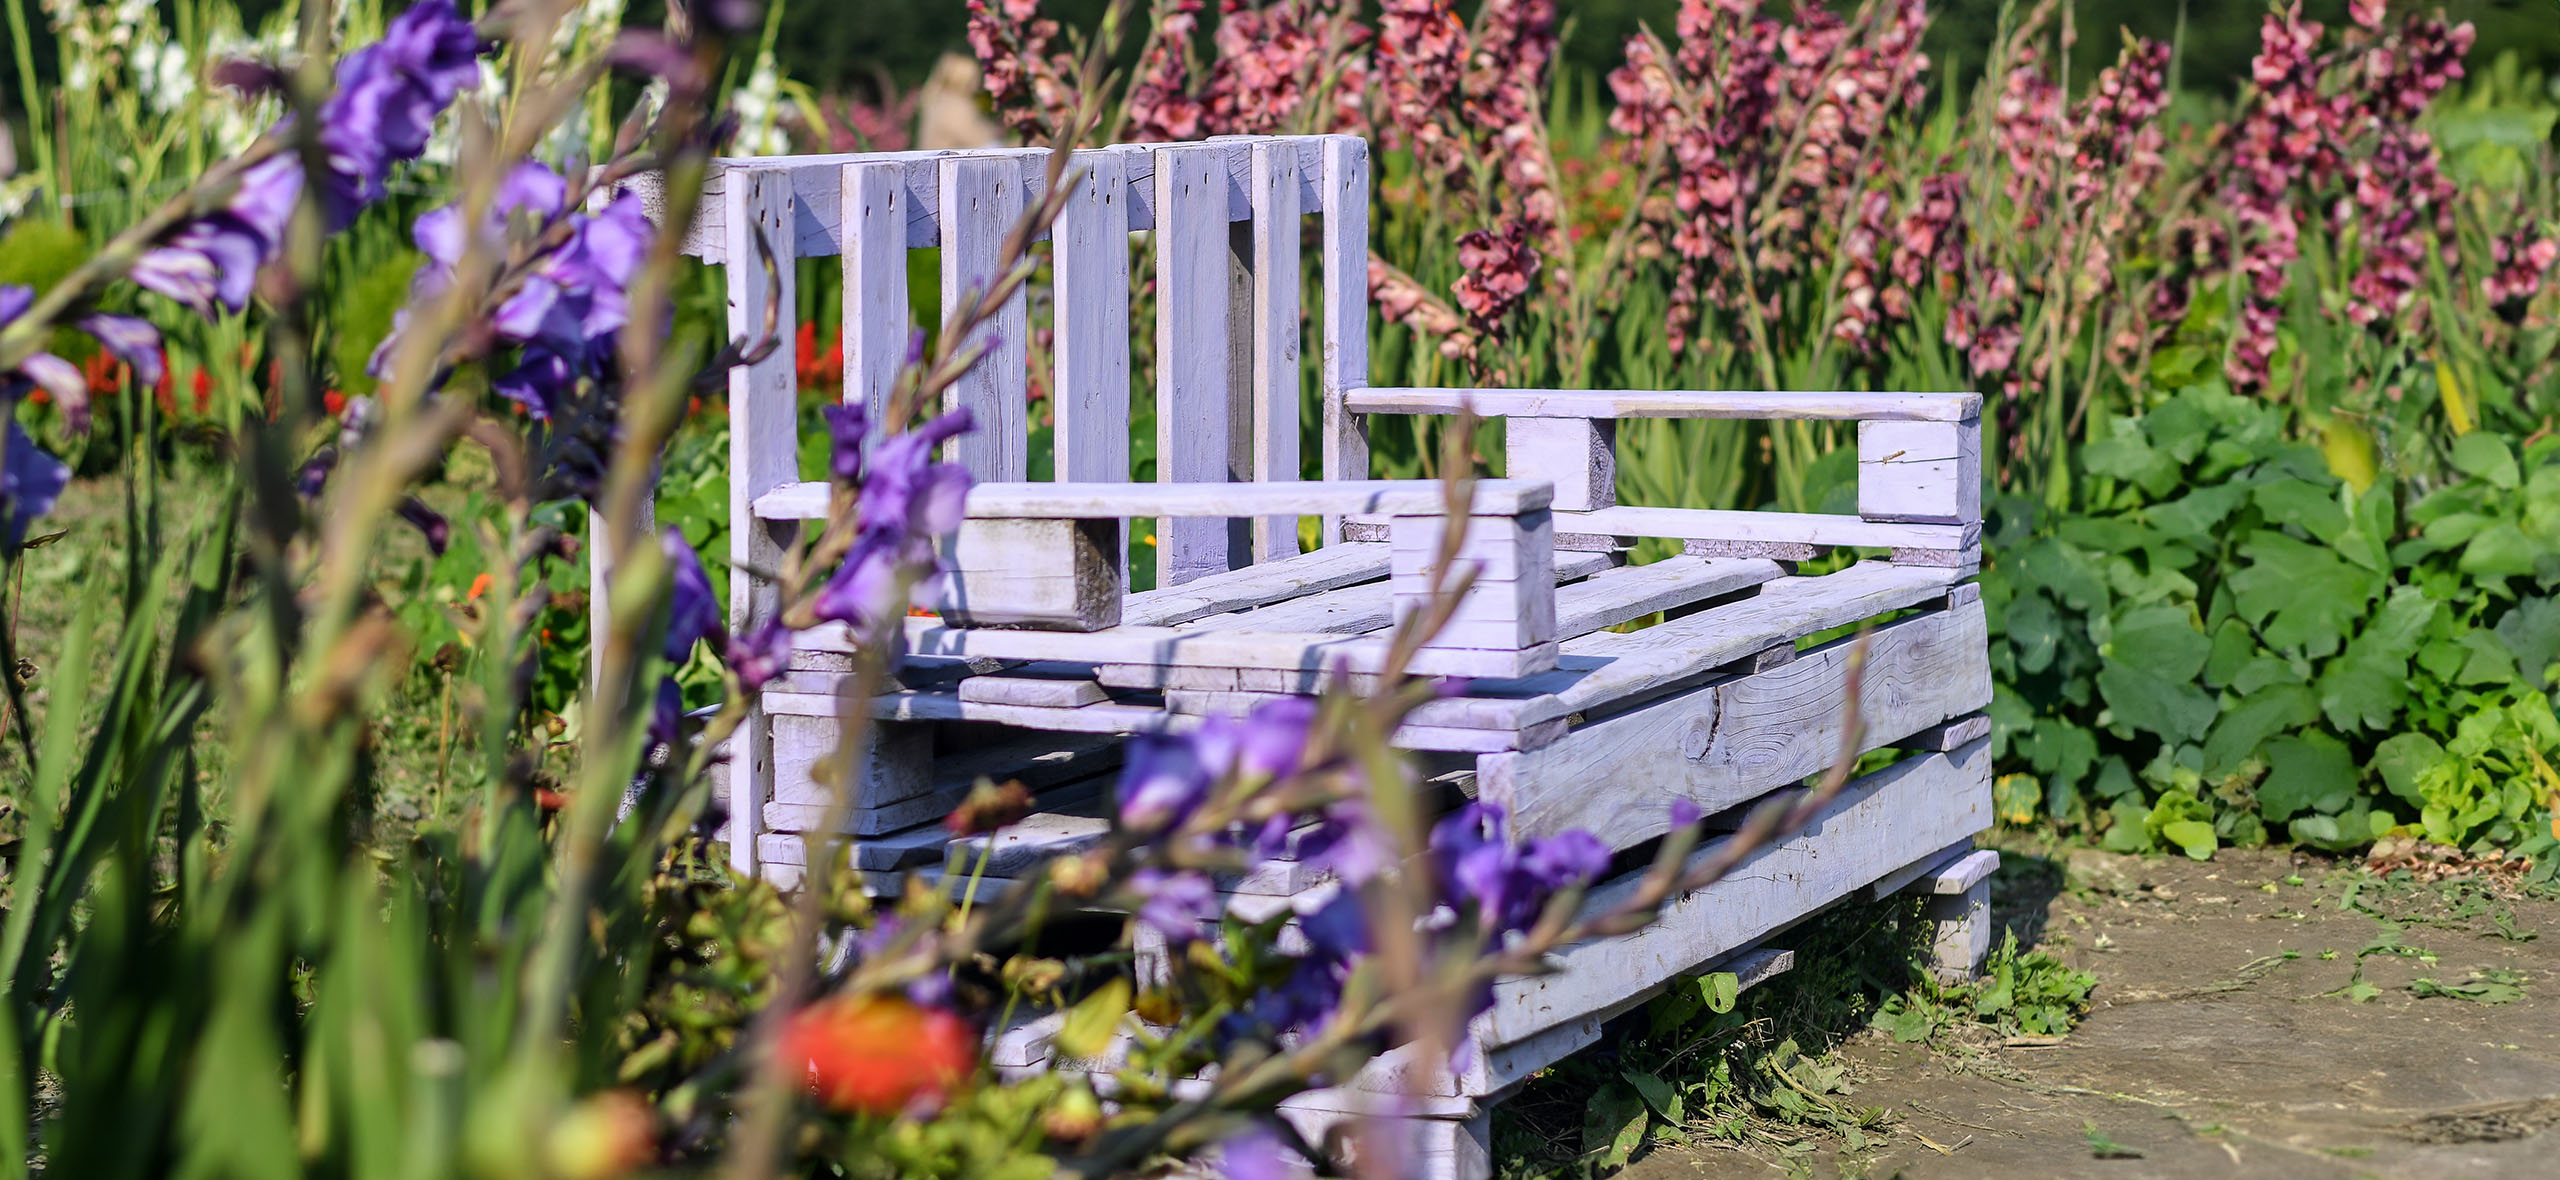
<point>2066,573</point>
<point>2233,647</point>
<point>2531,630</point>
<point>2401,758</point>
<point>1088,1028</point>
<point>1612,1126</point>
<point>2313,772</point>
<point>2308,506</point>
<point>2247,725</point>
<point>2486,456</point>
<point>2153,703</point>
<point>2499,551</point>
<point>2365,687</point>
<point>2303,596</point>
<point>2194,837</point>
<point>2161,640</point>
<point>2495,986</point>
<point>1657,1094</point>
<point>2196,513</point>
<point>1721,989</point>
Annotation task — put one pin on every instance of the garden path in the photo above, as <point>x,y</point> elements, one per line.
<point>2224,1041</point>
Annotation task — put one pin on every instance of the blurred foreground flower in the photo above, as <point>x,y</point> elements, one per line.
<point>879,1055</point>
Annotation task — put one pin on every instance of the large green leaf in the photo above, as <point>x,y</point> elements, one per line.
<point>2244,727</point>
<point>2178,712</point>
<point>2302,596</point>
<point>2365,687</point>
<point>2313,772</point>
<point>2161,640</point>
<point>2531,630</point>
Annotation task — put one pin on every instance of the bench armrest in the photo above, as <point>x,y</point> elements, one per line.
<point>1680,403</point>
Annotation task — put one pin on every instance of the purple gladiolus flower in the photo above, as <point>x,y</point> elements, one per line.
<point>1162,781</point>
<point>906,500</point>
<point>761,655</point>
<point>1175,904</point>
<point>388,96</point>
<point>1261,746</point>
<point>30,481</point>
<point>1508,884</point>
<point>847,425</point>
<point>1258,1155</point>
<point>693,615</point>
<point>133,341</point>
<point>53,374</point>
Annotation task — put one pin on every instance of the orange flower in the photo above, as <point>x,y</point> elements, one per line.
<point>479,586</point>
<point>878,1054</point>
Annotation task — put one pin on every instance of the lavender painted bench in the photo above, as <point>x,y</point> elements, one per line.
<point>1042,658</point>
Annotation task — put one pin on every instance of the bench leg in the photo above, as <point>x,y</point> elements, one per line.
<point>1959,912</point>
<point>1963,932</point>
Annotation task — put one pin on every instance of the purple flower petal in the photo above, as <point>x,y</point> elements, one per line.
<point>133,341</point>
<point>30,482</point>
<point>693,614</point>
<point>1162,781</point>
<point>1175,904</point>
<point>761,655</point>
<point>847,426</point>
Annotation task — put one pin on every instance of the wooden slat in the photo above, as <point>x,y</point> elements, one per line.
<point>1276,230</point>
<point>1259,585</point>
<point>1633,592</point>
<point>763,455</point>
<point>1920,471</point>
<point>1345,249</point>
<point>1361,609</point>
<point>876,328</point>
<point>1727,743</point>
<point>1104,501</point>
<point>820,225</point>
<point>1811,528</point>
<point>1578,455</point>
<point>1663,656</point>
<point>1878,824</point>
<point>981,198</point>
<point>1192,297</point>
<point>1597,403</point>
<point>1091,345</point>
<point>1165,645</point>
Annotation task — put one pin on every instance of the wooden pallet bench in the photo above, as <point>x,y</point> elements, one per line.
<point>1586,690</point>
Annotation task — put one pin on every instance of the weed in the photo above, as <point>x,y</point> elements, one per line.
<point>2028,993</point>
<point>2103,1147</point>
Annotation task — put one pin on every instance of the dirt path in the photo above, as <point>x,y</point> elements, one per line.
<point>2224,1041</point>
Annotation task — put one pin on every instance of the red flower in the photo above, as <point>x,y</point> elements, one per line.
<point>334,402</point>
<point>878,1055</point>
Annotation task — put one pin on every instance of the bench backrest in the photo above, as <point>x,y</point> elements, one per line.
<point>1227,223</point>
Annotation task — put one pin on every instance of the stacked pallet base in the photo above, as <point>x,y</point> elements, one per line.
<point>1740,688</point>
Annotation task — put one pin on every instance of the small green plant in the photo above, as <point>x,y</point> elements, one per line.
<point>2103,1146</point>
<point>2020,993</point>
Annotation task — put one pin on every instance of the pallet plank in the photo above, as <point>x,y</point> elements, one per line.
<point>1289,578</point>
<point>1879,823</point>
<point>1103,501</point>
<point>1596,403</point>
<point>1730,742</point>
<point>876,331</point>
<point>1344,243</point>
<point>980,200</point>
<point>1193,430</point>
<point>763,455</point>
<point>1277,228</point>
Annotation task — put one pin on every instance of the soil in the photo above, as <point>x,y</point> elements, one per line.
<point>2224,1039</point>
